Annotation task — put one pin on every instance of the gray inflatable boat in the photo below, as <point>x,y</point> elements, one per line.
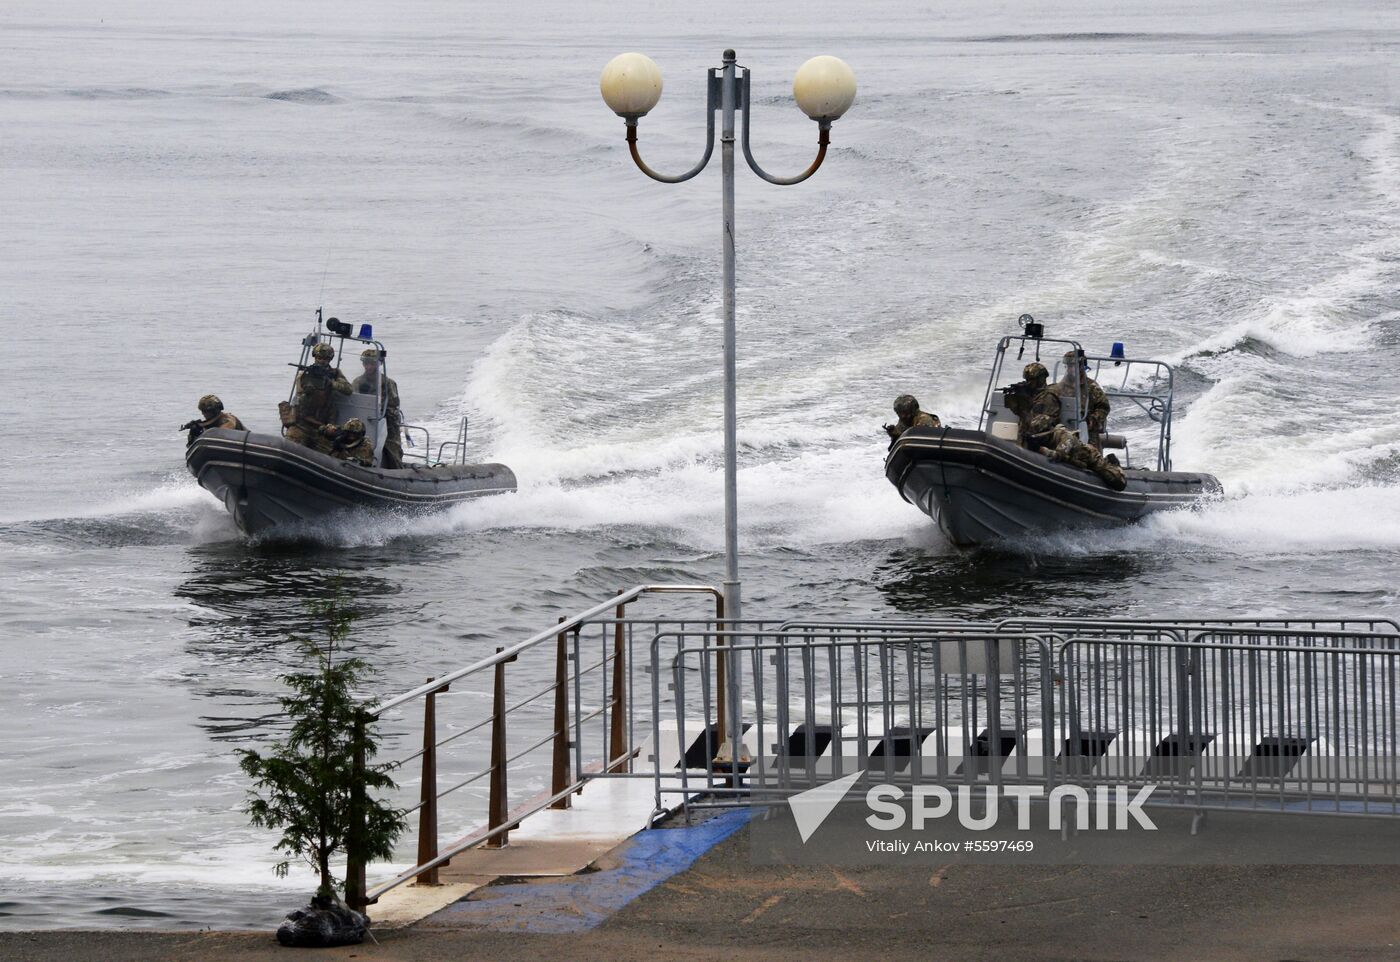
<point>268,482</point>
<point>983,486</point>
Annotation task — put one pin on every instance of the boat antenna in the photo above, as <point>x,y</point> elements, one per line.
<point>321,295</point>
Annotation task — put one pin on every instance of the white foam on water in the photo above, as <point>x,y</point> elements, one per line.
<point>1256,527</point>
<point>833,495</point>
<point>1247,431</point>
<point>240,865</point>
<point>1319,319</point>
<point>1330,520</point>
<point>172,495</point>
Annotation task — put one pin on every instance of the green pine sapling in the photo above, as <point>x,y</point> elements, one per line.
<point>303,784</point>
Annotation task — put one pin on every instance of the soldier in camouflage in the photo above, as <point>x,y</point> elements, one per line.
<point>906,406</point>
<point>1034,402</point>
<point>315,405</point>
<point>214,417</point>
<point>368,383</point>
<point>1091,396</point>
<point>348,443</point>
<point>1041,430</point>
<point>1068,449</point>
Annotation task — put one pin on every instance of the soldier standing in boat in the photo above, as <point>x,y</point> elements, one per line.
<point>214,417</point>
<point>1094,412</point>
<point>349,443</point>
<point>906,406</point>
<point>368,383</point>
<point>1031,400</point>
<point>314,409</point>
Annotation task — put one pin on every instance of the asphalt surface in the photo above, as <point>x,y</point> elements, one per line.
<point>726,907</point>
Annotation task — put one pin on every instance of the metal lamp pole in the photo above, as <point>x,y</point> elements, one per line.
<point>824,89</point>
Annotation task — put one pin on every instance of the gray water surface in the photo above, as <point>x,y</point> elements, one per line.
<point>180,188</point>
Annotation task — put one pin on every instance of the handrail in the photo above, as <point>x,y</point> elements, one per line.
<point>506,654</point>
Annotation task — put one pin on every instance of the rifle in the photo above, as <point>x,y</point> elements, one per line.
<point>195,428</point>
<point>1020,393</point>
<point>328,373</point>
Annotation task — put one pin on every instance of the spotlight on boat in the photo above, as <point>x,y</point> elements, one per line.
<point>339,328</point>
<point>631,85</point>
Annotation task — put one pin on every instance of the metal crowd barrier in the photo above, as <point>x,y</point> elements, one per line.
<point>1246,714</point>
<point>1280,715</point>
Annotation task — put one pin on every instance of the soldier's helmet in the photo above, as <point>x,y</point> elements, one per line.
<point>1075,359</point>
<point>323,352</point>
<point>369,354</point>
<point>355,426</point>
<point>1035,371</point>
<point>905,405</point>
<point>210,405</point>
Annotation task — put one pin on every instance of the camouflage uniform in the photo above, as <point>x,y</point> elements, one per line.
<point>1093,398</point>
<point>223,419</point>
<point>316,388</point>
<point>1068,449</point>
<point>349,442</point>
<point>1038,411</point>
<point>214,417</point>
<point>1041,430</point>
<point>392,454</point>
<point>907,407</point>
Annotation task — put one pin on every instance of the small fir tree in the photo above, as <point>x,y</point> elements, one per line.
<point>303,784</point>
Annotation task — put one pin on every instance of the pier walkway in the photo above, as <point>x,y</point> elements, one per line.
<point>726,908</point>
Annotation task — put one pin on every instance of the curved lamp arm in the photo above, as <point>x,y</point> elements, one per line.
<point>710,107</point>
<point>823,139</point>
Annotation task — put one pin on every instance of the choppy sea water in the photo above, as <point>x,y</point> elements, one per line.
<point>183,187</point>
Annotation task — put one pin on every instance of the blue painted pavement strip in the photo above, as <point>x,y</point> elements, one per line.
<point>581,902</point>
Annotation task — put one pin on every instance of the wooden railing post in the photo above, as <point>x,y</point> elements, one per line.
<point>560,779</point>
<point>428,811</point>
<point>354,843</point>
<point>618,750</point>
<point>497,806</point>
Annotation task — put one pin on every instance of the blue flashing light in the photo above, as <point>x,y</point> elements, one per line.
<point>367,333</point>
<point>1117,353</point>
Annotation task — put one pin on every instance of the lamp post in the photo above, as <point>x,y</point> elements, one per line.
<point>824,89</point>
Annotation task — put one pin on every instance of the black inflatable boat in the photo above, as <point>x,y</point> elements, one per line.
<point>982,486</point>
<point>267,481</point>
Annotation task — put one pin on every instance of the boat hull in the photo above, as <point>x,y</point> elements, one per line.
<point>267,482</point>
<point>982,489</point>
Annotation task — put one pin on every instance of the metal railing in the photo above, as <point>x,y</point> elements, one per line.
<point>1254,715</point>
<point>588,723</point>
<point>421,453</point>
<point>747,713</point>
